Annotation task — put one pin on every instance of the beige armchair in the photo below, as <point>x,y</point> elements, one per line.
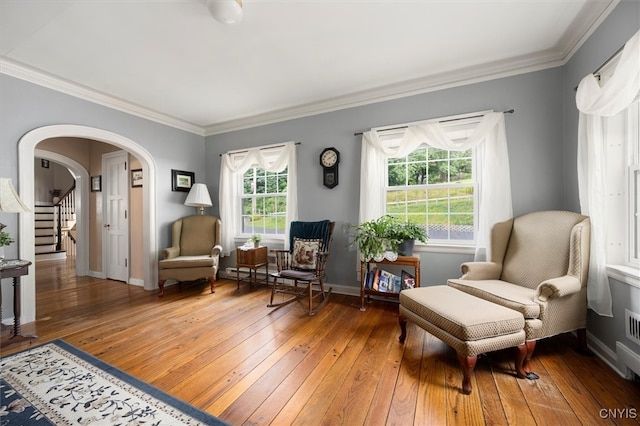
<point>539,265</point>
<point>194,253</point>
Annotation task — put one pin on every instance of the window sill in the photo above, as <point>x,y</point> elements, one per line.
<point>625,274</point>
<point>441,248</point>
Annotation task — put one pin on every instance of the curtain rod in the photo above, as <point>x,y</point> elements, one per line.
<point>605,63</point>
<point>266,147</point>
<point>510,111</point>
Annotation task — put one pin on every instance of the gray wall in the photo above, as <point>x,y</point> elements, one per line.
<point>534,134</point>
<point>613,33</point>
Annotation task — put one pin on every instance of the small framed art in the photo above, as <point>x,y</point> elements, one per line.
<point>96,183</point>
<point>181,180</point>
<point>136,178</point>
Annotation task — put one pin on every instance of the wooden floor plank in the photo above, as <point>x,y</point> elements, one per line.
<point>227,353</point>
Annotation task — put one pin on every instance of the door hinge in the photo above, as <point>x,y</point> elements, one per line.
<point>125,263</point>
<point>125,214</point>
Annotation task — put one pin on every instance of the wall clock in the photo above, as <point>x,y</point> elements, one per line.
<point>329,160</point>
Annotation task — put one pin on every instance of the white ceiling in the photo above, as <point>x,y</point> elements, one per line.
<point>170,61</point>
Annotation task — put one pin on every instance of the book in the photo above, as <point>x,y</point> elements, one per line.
<point>385,284</point>
<point>408,280</point>
<point>376,279</point>
<point>397,284</point>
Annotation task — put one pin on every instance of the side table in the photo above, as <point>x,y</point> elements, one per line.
<point>14,268</point>
<point>252,259</point>
<point>411,261</point>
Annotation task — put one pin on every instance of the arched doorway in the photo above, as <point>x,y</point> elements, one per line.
<point>26,153</point>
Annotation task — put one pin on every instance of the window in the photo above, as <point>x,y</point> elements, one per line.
<point>621,133</point>
<point>264,201</point>
<point>450,175</point>
<point>258,193</point>
<point>436,188</point>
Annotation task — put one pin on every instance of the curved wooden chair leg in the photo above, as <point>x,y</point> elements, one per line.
<point>403,328</point>
<point>526,366</point>
<point>521,354</point>
<point>467,363</point>
<point>212,283</point>
<point>161,285</point>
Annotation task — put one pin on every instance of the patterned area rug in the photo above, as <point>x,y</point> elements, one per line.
<point>58,384</point>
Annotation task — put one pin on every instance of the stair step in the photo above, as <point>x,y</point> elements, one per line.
<point>45,248</point>
<point>51,255</point>
<point>45,240</point>
<point>44,232</point>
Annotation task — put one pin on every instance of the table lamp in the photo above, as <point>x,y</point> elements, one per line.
<point>198,197</point>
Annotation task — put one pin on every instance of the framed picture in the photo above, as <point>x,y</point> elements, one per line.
<point>96,183</point>
<point>136,177</point>
<point>44,163</point>
<point>181,180</point>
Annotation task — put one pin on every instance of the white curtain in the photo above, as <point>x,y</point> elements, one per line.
<point>493,165</point>
<point>232,168</point>
<point>595,103</point>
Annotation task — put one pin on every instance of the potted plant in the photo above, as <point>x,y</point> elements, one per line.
<point>374,238</point>
<point>387,237</point>
<point>256,238</point>
<point>408,233</point>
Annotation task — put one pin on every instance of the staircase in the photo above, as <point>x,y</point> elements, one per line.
<point>55,228</point>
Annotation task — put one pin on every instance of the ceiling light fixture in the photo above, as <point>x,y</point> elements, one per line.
<point>226,11</point>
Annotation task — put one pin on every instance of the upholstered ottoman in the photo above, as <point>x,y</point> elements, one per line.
<point>468,324</point>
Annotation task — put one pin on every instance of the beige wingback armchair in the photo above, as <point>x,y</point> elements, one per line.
<point>539,265</point>
<point>194,252</point>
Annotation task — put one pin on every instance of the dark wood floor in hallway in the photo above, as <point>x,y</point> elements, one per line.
<point>230,355</point>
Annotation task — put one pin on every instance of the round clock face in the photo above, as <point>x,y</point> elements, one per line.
<point>329,158</point>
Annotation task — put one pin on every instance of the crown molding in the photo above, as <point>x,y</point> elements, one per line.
<point>584,25</point>
<point>23,72</point>
<point>445,80</point>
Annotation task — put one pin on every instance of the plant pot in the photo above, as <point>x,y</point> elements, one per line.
<point>256,244</point>
<point>405,248</point>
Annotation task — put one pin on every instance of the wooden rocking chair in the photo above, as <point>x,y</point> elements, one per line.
<point>301,270</point>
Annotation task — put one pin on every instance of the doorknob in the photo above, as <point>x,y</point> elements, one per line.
<point>107,226</point>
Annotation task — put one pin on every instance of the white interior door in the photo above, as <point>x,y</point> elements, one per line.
<point>115,198</point>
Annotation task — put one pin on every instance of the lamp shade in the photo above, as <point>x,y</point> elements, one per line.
<point>10,202</point>
<point>198,197</point>
<point>226,11</point>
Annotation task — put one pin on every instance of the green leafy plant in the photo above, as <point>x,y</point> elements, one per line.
<point>410,231</point>
<point>374,237</point>
<point>5,239</point>
<point>256,238</point>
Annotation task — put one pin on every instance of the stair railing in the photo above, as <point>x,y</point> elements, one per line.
<point>65,213</point>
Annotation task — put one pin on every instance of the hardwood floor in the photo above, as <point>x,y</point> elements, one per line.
<point>230,355</point>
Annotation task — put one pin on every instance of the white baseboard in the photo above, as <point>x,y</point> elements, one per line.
<point>230,273</point>
<point>628,360</point>
<point>95,274</point>
<point>136,281</point>
<point>609,357</point>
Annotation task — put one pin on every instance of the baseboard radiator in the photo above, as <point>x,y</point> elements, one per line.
<point>628,359</point>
